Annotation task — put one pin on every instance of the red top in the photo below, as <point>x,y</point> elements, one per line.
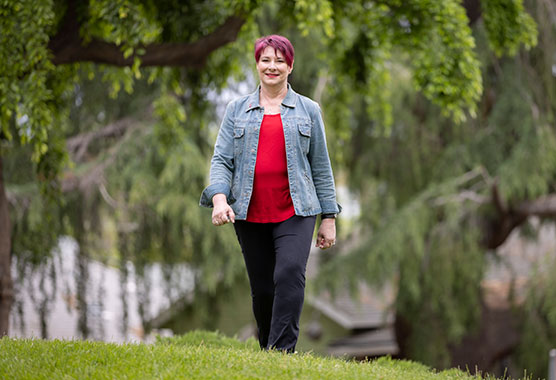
<point>271,201</point>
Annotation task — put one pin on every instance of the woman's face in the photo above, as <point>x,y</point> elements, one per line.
<point>272,67</point>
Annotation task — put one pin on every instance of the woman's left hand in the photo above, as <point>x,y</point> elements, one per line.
<point>326,237</point>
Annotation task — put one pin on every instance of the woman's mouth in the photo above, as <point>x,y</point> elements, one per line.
<point>272,75</point>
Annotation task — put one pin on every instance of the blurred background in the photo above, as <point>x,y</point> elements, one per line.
<point>440,121</point>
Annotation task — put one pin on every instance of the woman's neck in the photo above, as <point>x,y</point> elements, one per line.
<point>274,93</point>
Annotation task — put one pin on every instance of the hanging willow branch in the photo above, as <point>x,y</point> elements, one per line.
<point>77,147</point>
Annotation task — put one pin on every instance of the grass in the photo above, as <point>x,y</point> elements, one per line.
<point>196,355</point>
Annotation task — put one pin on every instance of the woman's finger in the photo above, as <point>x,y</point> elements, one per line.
<point>325,243</point>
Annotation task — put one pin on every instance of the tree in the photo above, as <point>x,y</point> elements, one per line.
<point>359,40</point>
<point>438,198</point>
<point>36,92</point>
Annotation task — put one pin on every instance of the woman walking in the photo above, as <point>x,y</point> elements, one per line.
<point>271,176</point>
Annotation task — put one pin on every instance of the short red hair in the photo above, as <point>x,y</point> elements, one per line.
<point>278,43</point>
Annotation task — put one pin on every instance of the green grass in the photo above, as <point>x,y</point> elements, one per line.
<point>196,355</point>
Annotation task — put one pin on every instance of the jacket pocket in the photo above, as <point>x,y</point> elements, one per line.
<point>238,132</point>
<point>239,141</point>
<point>304,136</point>
<point>305,129</point>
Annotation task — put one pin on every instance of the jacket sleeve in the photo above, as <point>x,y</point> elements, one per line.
<point>321,169</point>
<point>222,163</point>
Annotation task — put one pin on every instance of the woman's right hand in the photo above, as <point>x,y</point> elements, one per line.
<point>222,213</point>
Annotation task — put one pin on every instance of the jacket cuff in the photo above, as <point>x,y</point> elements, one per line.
<point>330,207</point>
<point>212,190</point>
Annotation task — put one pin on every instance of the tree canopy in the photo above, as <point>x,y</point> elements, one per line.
<point>111,104</point>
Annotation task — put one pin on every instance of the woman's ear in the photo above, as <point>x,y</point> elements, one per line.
<point>290,68</point>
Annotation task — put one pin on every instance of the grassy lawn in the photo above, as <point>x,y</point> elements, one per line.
<point>196,355</point>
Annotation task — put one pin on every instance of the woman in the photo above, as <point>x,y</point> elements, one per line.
<point>270,175</point>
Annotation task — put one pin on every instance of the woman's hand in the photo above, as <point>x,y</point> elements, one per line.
<point>222,212</point>
<point>326,237</point>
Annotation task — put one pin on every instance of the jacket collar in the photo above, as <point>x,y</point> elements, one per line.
<point>253,100</point>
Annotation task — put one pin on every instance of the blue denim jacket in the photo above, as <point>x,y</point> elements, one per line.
<point>235,153</point>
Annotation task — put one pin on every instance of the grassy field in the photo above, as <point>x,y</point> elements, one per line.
<point>197,355</point>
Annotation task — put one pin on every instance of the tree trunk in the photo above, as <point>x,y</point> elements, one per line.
<point>484,349</point>
<point>6,284</point>
<point>495,339</point>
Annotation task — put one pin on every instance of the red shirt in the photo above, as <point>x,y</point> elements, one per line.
<point>271,201</point>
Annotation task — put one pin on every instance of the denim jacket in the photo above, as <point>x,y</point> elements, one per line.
<point>235,153</point>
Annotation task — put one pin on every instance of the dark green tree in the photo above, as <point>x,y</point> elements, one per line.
<point>47,46</point>
<point>439,198</point>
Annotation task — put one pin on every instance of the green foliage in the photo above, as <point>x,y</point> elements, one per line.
<point>123,22</point>
<point>35,220</point>
<point>188,21</point>
<point>161,193</point>
<point>422,211</point>
<point>508,26</point>
<point>425,185</point>
<point>33,92</point>
<point>121,78</point>
<point>198,355</point>
<point>539,318</point>
<point>151,176</point>
<point>446,69</point>
<point>436,39</point>
<point>530,170</point>
<point>25,68</point>
<point>437,42</point>
<point>156,177</point>
<point>314,14</point>
<point>437,270</point>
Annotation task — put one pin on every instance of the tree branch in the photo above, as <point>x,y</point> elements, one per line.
<point>544,207</point>
<point>123,128</point>
<point>498,225</point>
<point>508,218</point>
<point>77,145</point>
<point>465,195</point>
<point>67,46</point>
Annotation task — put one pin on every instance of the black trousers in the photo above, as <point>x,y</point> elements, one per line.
<point>276,257</point>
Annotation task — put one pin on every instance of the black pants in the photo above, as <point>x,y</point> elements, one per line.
<point>276,257</point>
